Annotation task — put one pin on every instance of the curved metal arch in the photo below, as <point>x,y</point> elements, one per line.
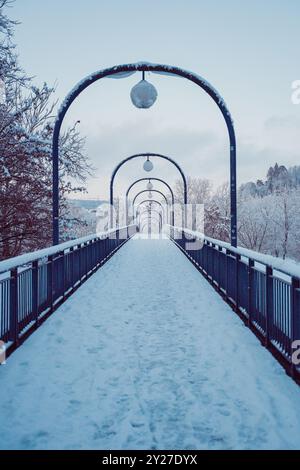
<point>152,218</point>
<point>149,223</point>
<point>149,209</point>
<point>151,179</point>
<point>126,69</point>
<point>146,224</point>
<point>143,226</point>
<point>152,191</point>
<point>153,211</point>
<point>150,200</point>
<point>146,155</point>
<point>157,220</point>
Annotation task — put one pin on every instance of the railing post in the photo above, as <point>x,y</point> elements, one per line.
<point>237,262</point>
<point>295,317</point>
<point>35,291</point>
<point>82,261</point>
<point>250,289</point>
<point>13,321</point>
<point>79,250</point>
<point>85,251</point>
<point>182,241</point>
<point>50,280</point>
<point>72,282</point>
<point>219,267</point>
<point>226,272</point>
<point>61,264</point>
<point>269,304</point>
<point>206,258</point>
<point>97,252</point>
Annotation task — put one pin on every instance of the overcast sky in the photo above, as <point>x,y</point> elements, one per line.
<point>249,51</point>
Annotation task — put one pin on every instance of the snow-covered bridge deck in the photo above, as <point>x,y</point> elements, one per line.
<point>146,355</point>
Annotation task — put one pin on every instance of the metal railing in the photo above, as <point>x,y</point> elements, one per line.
<point>263,290</point>
<point>33,285</point>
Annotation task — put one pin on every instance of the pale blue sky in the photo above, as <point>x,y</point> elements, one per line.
<point>249,50</point>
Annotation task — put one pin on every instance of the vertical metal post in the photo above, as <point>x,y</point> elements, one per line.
<point>149,224</point>
<point>85,254</point>
<point>35,291</point>
<point>194,216</point>
<point>50,282</point>
<point>237,261</point>
<point>269,304</point>
<point>250,289</point>
<point>72,267</point>
<point>219,267</point>
<point>13,319</point>
<point>295,317</point>
<point>226,272</point>
<point>172,215</point>
<point>55,185</point>
<point>233,183</point>
<point>62,260</point>
<point>111,199</point>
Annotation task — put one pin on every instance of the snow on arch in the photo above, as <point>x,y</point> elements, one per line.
<point>132,68</point>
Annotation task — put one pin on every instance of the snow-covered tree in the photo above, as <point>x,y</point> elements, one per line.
<point>217,222</point>
<point>26,120</point>
<point>78,221</point>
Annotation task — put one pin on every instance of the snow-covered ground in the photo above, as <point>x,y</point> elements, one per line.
<point>146,355</point>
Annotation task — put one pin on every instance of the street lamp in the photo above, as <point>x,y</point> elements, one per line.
<point>149,185</point>
<point>143,95</point>
<point>148,165</point>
